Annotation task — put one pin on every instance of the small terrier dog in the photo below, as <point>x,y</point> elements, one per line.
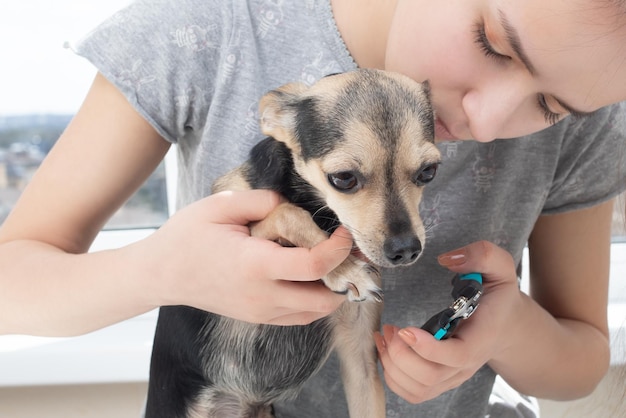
<point>355,150</point>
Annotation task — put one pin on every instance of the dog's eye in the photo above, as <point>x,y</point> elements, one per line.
<point>426,174</point>
<point>344,181</point>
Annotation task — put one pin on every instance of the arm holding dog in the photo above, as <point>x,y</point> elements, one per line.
<point>553,345</point>
<point>51,287</point>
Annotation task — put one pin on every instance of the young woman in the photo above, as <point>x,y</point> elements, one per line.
<point>191,72</point>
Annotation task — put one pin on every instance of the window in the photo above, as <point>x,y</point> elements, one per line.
<point>24,142</point>
<point>619,219</point>
<point>37,104</point>
<point>42,85</point>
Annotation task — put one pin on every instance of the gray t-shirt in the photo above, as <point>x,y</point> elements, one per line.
<point>195,69</point>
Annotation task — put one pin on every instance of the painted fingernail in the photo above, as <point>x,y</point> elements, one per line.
<point>453,258</point>
<point>407,336</point>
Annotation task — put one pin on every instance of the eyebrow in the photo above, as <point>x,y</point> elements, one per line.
<point>516,45</point>
<point>514,41</point>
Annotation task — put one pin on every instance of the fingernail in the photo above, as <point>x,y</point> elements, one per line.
<point>342,232</point>
<point>407,336</point>
<point>453,258</point>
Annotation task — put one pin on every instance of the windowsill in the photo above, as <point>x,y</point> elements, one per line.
<point>116,354</point>
<point>121,353</point>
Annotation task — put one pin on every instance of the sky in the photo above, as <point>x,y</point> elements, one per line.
<point>37,74</point>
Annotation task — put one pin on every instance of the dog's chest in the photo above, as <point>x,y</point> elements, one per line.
<point>264,362</point>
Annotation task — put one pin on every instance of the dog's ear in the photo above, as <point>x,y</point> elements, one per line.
<point>278,111</point>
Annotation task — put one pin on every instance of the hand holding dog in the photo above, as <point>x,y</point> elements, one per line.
<point>208,260</point>
<point>418,367</point>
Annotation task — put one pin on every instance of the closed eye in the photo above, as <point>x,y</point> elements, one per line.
<point>550,116</point>
<point>480,38</point>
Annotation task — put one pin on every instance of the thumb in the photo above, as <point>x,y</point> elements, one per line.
<point>416,337</point>
<point>241,207</point>
<point>427,346</point>
<point>493,262</point>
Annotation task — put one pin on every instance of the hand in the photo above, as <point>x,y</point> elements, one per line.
<point>418,367</point>
<point>205,257</point>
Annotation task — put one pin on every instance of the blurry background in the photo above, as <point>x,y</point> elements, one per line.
<point>104,374</point>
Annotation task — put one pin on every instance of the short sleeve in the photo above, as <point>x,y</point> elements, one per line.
<point>160,54</point>
<point>592,164</point>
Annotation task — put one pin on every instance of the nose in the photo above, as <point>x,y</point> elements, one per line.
<point>492,108</point>
<point>403,248</point>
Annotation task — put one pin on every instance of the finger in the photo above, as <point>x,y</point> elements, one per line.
<point>427,360</point>
<point>313,297</point>
<point>451,353</point>
<point>242,207</point>
<point>303,264</point>
<point>291,303</point>
<point>397,375</point>
<point>404,357</point>
<point>295,319</point>
<point>443,365</point>
<point>414,393</point>
<point>482,256</point>
<point>284,317</point>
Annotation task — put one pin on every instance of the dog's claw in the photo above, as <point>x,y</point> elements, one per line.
<point>355,291</point>
<point>357,280</point>
<point>374,294</point>
<point>377,294</point>
<point>371,269</point>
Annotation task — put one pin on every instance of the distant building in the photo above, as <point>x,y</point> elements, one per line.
<point>4,178</point>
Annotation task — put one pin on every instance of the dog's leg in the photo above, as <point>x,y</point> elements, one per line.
<point>354,342</point>
<point>355,323</point>
<point>291,225</point>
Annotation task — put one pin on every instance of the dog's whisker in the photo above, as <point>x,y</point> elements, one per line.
<point>243,382</point>
<point>322,207</point>
<point>344,248</point>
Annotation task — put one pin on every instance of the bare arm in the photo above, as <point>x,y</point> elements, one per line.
<point>105,154</point>
<point>202,257</point>
<point>553,346</point>
<point>562,349</point>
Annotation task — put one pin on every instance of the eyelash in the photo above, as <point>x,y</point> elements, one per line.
<point>480,38</point>
<point>550,116</point>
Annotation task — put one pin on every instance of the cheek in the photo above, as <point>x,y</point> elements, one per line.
<point>436,45</point>
<point>524,124</point>
<point>408,44</point>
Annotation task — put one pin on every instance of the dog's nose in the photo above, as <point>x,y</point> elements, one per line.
<point>402,249</point>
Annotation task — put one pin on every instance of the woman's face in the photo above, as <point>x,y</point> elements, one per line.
<point>506,68</point>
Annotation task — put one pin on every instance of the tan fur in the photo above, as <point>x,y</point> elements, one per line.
<point>368,226</point>
<point>363,213</point>
<point>232,181</point>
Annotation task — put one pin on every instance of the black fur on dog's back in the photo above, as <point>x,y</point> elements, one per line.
<point>372,125</point>
<point>173,389</point>
<point>271,167</point>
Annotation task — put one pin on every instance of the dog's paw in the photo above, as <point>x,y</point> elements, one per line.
<point>356,279</point>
